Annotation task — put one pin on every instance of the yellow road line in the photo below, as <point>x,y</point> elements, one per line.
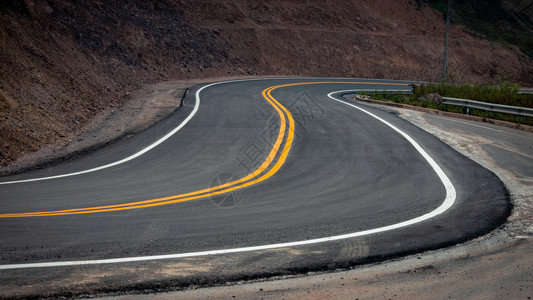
<point>221,189</point>
<point>197,194</point>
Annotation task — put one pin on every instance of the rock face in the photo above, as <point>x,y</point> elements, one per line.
<point>64,63</point>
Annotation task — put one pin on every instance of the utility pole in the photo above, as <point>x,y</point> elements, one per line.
<point>446,40</point>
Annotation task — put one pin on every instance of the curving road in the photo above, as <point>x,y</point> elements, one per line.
<point>246,166</point>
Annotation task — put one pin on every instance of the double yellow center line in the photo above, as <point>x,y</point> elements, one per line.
<point>263,172</point>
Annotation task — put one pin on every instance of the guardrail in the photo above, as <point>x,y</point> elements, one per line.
<point>506,109</point>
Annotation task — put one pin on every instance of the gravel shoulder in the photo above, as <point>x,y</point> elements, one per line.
<point>480,271</point>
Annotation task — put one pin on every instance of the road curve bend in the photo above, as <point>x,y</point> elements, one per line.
<point>250,178</point>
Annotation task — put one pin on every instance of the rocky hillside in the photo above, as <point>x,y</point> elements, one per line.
<point>65,62</point>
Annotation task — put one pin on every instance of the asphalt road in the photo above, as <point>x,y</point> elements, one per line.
<point>511,150</point>
<point>337,171</point>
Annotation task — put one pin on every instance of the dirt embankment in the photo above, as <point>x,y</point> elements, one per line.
<point>65,63</point>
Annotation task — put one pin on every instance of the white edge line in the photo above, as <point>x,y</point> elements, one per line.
<point>448,202</point>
